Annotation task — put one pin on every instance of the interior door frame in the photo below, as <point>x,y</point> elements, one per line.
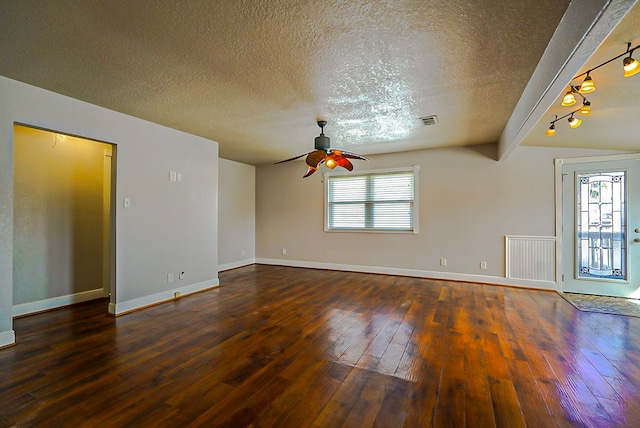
<point>559,197</point>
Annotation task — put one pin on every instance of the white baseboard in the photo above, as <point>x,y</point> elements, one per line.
<point>7,338</point>
<point>120,308</point>
<point>56,302</point>
<point>449,276</point>
<point>236,264</point>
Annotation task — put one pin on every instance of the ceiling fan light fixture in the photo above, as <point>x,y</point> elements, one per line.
<point>587,85</point>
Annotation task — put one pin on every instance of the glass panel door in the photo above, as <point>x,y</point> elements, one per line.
<point>601,228</point>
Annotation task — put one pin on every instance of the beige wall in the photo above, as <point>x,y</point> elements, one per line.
<point>468,202</point>
<point>58,214</point>
<point>237,214</point>
<point>171,226</point>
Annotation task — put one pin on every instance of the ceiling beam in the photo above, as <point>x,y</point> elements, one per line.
<point>583,28</point>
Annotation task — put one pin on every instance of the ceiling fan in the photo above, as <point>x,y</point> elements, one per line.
<point>323,153</point>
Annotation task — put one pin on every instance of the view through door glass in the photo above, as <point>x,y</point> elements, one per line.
<point>601,228</point>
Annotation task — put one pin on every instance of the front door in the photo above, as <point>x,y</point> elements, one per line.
<point>601,228</point>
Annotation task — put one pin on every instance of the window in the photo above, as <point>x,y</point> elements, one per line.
<point>382,200</point>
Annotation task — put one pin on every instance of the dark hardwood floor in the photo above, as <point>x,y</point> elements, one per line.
<point>288,347</point>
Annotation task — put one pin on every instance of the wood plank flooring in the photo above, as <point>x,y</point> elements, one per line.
<point>289,347</point>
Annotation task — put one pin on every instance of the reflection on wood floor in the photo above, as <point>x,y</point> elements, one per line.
<point>289,347</point>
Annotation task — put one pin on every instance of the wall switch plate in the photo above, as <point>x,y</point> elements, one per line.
<point>443,262</point>
<point>483,265</point>
<point>170,277</point>
<point>179,176</point>
<point>127,203</point>
<point>284,251</point>
<point>172,176</point>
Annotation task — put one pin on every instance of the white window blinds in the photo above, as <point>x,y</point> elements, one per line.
<point>372,201</point>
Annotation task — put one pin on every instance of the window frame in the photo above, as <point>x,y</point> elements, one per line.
<point>411,169</point>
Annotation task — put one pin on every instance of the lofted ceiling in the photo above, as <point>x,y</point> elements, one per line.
<point>256,75</point>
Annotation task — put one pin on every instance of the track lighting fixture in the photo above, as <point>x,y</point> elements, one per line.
<point>631,67</point>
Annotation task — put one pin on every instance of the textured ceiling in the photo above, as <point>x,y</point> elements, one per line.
<point>255,75</point>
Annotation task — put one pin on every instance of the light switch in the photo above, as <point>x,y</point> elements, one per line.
<point>127,202</point>
<point>172,176</point>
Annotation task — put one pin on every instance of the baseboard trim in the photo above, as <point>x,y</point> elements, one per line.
<point>132,305</point>
<point>56,302</point>
<point>448,276</point>
<point>7,338</point>
<point>237,264</point>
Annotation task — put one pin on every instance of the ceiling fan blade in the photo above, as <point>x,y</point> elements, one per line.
<point>297,157</point>
<point>315,158</point>
<point>344,162</point>
<point>310,170</point>
<point>350,155</point>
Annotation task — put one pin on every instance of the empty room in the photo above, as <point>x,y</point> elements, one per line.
<point>286,213</point>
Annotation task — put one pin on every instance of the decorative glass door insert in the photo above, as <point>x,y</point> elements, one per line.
<point>601,226</point>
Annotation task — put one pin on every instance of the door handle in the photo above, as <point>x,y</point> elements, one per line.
<point>636,240</point>
<point>637,230</point>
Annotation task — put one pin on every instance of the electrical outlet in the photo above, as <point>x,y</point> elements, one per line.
<point>483,265</point>
<point>181,275</point>
<point>443,262</point>
<point>170,277</point>
<point>284,251</point>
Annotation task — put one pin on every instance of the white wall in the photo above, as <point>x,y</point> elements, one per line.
<point>170,227</point>
<point>468,202</point>
<point>237,214</point>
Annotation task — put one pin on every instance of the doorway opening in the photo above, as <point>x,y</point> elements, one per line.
<point>64,219</point>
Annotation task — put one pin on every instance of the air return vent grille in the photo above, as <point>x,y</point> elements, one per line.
<point>429,120</point>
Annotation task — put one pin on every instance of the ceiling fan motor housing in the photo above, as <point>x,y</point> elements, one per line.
<point>322,142</point>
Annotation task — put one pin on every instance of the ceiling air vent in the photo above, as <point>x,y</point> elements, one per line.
<point>429,120</point>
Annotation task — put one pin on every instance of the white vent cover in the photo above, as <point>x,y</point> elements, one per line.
<point>429,120</point>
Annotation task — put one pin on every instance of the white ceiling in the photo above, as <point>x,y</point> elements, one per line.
<point>255,75</point>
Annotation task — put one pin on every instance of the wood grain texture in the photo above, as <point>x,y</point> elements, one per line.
<point>288,347</point>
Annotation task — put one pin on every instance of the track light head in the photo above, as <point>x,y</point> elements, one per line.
<point>586,109</point>
<point>587,85</point>
<point>569,99</point>
<point>574,122</point>
<point>552,130</point>
<point>630,66</point>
